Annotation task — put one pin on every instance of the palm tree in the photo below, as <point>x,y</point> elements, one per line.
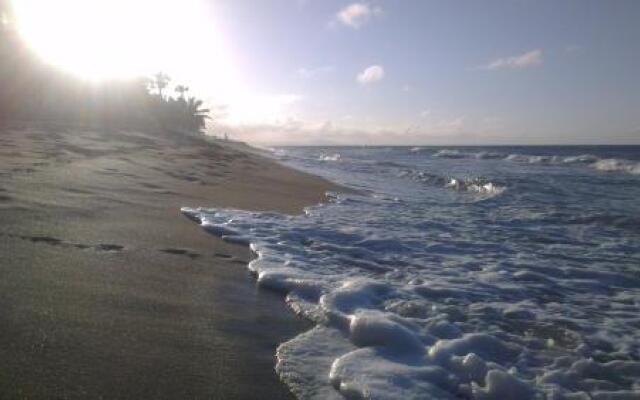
<point>160,81</point>
<point>197,115</point>
<point>181,89</point>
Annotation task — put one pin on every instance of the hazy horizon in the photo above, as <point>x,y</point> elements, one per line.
<point>305,72</point>
<point>489,145</point>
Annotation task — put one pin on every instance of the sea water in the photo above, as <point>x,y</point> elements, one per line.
<point>457,273</point>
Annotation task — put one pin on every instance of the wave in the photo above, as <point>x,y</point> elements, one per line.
<point>617,165</point>
<point>385,328</point>
<point>447,153</point>
<point>488,155</point>
<point>452,153</point>
<point>581,159</point>
<point>553,160</point>
<point>474,185</point>
<point>606,165</point>
<point>523,158</point>
<point>329,157</point>
<point>418,288</point>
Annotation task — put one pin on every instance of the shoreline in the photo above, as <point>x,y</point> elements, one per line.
<point>108,291</point>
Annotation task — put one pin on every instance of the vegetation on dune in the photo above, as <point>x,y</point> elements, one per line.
<point>178,112</point>
<point>33,90</point>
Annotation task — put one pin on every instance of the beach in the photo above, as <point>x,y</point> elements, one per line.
<point>108,291</point>
<point>322,201</point>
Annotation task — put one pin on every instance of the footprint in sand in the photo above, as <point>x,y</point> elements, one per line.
<point>221,255</point>
<point>151,185</point>
<point>51,241</point>
<point>181,252</point>
<point>108,247</point>
<point>44,239</point>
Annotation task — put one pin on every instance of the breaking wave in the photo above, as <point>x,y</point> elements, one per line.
<point>607,165</point>
<point>615,165</point>
<point>399,317</point>
<point>329,157</point>
<point>474,185</point>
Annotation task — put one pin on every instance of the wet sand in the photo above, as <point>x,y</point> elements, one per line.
<point>107,291</point>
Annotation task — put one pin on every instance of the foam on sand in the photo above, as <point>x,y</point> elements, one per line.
<point>461,276</point>
<point>407,333</point>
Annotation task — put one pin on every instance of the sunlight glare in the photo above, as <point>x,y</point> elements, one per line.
<point>113,39</point>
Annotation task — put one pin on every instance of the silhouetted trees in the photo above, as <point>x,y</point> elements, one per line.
<point>32,90</point>
<point>181,114</point>
<point>160,81</point>
<point>181,90</point>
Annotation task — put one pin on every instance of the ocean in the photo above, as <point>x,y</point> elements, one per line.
<point>457,272</point>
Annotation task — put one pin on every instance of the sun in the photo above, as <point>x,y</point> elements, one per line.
<point>113,39</point>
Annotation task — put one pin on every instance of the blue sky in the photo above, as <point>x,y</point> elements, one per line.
<point>440,72</point>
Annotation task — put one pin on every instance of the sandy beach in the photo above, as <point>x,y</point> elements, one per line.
<point>108,291</point>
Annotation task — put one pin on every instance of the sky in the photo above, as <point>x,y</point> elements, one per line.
<point>435,72</point>
<point>398,72</point>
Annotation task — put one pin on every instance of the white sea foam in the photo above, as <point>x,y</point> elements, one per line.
<point>616,165</point>
<point>388,331</point>
<point>476,185</point>
<point>330,157</point>
<point>454,153</point>
<point>449,153</point>
<point>487,155</point>
<point>416,292</point>
<point>607,165</point>
<point>581,159</point>
<point>480,187</point>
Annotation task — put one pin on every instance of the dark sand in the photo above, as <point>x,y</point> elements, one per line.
<point>107,291</point>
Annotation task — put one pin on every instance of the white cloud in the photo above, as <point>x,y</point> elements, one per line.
<point>293,131</point>
<point>254,108</point>
<point>313,73</point>
<point>492,122</point>
<point>450,125</point>
<point>371,74</point>
<point>529,59</point>
<point>357,14</point>
<point>439,127</point>
<point>425,113</point>
<point>298,132</point>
